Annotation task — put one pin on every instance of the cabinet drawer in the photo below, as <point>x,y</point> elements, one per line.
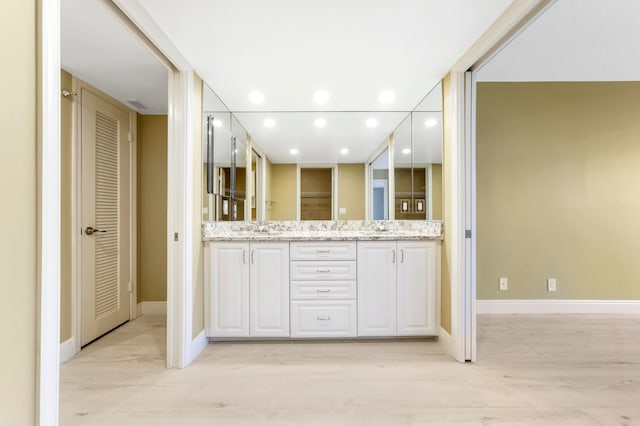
<point>323,251</point>
<point>323,319</point>
<point>323,290</point>
<point>323,270</point>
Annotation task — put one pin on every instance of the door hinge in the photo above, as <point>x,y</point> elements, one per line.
<point>130,287</point>
<point>175,236</point>
<point>467,233</point>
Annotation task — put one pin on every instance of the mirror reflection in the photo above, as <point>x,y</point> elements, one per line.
<point>322,165</point>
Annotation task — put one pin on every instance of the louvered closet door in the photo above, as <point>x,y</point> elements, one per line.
<point>105,216</point>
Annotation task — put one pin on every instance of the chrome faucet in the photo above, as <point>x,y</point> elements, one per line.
<point>262,228</point>
<point>380,227</point>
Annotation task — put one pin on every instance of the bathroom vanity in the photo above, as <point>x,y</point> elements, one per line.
<point>321,279</point>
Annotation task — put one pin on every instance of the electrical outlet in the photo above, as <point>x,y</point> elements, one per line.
<point>551,284</point>
<point>504,284</point>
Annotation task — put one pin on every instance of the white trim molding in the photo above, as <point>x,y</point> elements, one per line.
<point>445,341</point>
<point>48,196</point>
<point>557,306</point>
<point>67,350</point>
<point>152,308</point>
<point>197,345</point>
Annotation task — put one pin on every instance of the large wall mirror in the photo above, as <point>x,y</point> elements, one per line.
<point>322,165</point>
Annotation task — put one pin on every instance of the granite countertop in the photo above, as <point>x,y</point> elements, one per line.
<point>323,231</point>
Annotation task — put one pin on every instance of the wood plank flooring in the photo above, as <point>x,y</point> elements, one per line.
<point>532,370</point>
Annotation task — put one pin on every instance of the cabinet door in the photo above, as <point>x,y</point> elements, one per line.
<point>377,288</point>
<point>417,288</point>
<point>269,289</point>
<point>227,285</point>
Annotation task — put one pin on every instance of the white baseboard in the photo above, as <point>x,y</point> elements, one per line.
<point>67,350</point>
<point>557,306</point>
<point>152,308</point>
<point>197,345</point>
<point>445,342</point>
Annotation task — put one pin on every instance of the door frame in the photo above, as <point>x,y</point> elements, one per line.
<point>334,187</point>
<point>516,18</point>
<point>76,208</point>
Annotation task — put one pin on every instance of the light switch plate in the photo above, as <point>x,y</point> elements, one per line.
<point>342,210</point>
<point>504,284</point>
<point>551,284</point>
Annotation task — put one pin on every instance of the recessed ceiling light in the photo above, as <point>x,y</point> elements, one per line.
<point>321,97</point>
<point>387,96</point>
<point>431,122</point>
<point>320,122</point>
<point>256,97</point>
<point>217,123</point>
<point>371,123</point>
<point>269,122</point>
<point>293,151</point>
<point>406,151</point>
<point>344,151</point>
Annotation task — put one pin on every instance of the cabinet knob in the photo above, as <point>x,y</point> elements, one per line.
<point>324,318</point>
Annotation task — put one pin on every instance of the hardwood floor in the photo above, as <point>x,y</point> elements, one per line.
<point>532,370</point>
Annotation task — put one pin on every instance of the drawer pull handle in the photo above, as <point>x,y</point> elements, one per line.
<point>323,271</point>
<point>323,290</point>
<point>323,251</point>
<point>325,318</point>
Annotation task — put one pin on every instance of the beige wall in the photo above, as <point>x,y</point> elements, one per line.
<point>18,213</point>
<point>283,191</point>
<point>66,206</point>
<point>558,167</point>
<point>198,247</point>
<point>152,208</point>
<point>436,191</point>
<point>351,191</point>
<point>445,286</point>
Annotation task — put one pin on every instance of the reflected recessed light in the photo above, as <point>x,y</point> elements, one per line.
<point>256,97</point>
<point>371,122</point>
<point>431,122</point>
<point>406,151</point>
<point>269,122</point>
<point>387,96</point>
<point>344,151</point>
<point>217,123</point>
<point>320,122</point>
<point>321,97</point>
<point>293,151</point>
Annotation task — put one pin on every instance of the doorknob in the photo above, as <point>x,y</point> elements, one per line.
<point>91,231</point>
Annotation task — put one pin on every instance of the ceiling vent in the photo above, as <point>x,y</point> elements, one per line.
<point>136,104</point>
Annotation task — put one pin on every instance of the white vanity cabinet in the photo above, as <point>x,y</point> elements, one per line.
<point>247,289</point>
<point>397,288</point>
<point>226,289</point>
<point>323,289</point>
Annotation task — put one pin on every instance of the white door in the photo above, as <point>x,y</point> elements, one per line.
<point>377,288</point>
<point>416,288</point>
<point>269,289</point>
<point>228,298</point>
<point>105,216</point>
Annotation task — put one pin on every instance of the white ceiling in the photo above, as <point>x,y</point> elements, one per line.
<point>287,49</point>
<point>353,49</point>
<point>98,49</point>
<point>574,40</point>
